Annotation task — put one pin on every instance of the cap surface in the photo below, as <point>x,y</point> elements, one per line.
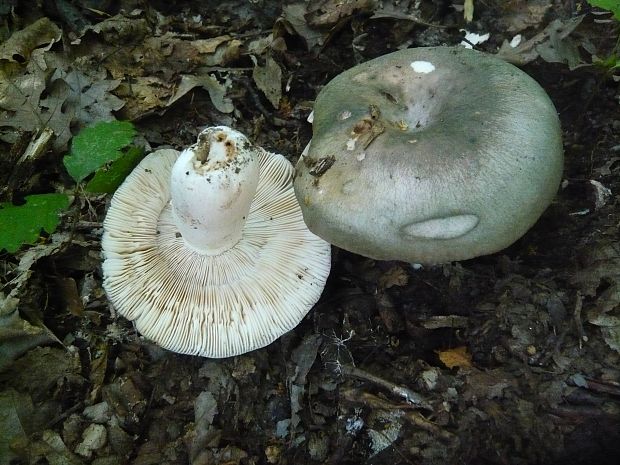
<point>211,305</point>
<point>429,155</point>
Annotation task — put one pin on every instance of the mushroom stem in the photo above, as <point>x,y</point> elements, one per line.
<point>212,186</point>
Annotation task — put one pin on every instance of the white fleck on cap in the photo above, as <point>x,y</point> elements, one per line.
<point>213,305</point>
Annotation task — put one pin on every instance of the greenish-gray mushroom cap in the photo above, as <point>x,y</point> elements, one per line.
<point>429,155</point>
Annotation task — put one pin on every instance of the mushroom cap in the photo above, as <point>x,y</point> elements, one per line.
<point>211,305</point>
<point>429,155</point>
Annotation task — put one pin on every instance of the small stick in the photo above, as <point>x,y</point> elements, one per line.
<point>413,417</point>
<point>577,317</point>
<point>81,225</point>
<point>402,391</point>
<point>417,419</point>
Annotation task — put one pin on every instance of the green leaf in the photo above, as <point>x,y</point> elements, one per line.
<point>610,63</point>
<point>107,179</point>
<point>96,146</point>
<point>22,224</point>
<point>611,5</point>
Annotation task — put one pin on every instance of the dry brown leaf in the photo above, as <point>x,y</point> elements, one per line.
<point>293,16</point>
<point>219,51</point>
<point>17,424</point>
<point>329,12</point>
<point>143,95</point>
<point>552,45</point>
<point>69,295</point>
<point>120,30</point>
<point>85,97</point>
<point>488,384</point>
<point>98,366</point>
<point>174,55</point>
<point>73,98</point>
<point>601,264</point>
<point>457,357</point>
<point>610,327</point>
<point>395,276</point>
<point>268,79</point>
<point>17,335</point>
<point>521,15</point>
<point>19,98</point>
<point>20,45</point>
<point>262,44</point>
<point>210,45</point>
<point>217,91</point>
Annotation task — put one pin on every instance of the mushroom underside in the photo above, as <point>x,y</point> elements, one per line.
<point>219,305</point>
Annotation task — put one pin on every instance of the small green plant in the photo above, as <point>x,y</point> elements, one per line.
<point>611,5</point>
<point>105,149</point>
<point>22,224</point>
<point>612,62</point>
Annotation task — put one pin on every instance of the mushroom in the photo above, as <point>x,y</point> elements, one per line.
<point>429,155</point>
<point>206,250</point>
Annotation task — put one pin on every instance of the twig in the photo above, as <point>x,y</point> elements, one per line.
<point>602,387</point>
<point>577,317</point>
<point>57,419</point>
<point>412,416</point>
<point>402,391</point>
<point>581,413</point>
<point>81,225</point>
<point>417,419</point>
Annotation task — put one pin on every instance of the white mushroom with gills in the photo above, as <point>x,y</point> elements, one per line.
<point>206,250</point>
<point>429,155</point>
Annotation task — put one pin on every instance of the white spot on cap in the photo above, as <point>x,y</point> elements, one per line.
<point>351,144</point>
<point>361,156</point>
<point>344,115</point>
<point>448,227</point>
<point>422,67</point>
<point>311,117</point>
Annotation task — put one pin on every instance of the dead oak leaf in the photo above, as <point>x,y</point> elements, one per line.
<point>553,45</point>
<point>72,98</point>
<point>294,22</point>
<point>120,30</point>
<point>20,45</point>
<point>180,55</point>
<point>395,276</point>
<point>609,326</point>
<point>88,97</point>
<point>456,357</point>
<point>518,16</point>
<point>143,95</point>
<point>19,98</point>
<point>327,13</point>
<point>216,90</point>
<point>268,79</point>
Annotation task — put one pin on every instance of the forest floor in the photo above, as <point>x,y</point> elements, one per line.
<point>511,358</point>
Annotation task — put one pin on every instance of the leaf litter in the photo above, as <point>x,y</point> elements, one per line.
<point>530,333</point>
